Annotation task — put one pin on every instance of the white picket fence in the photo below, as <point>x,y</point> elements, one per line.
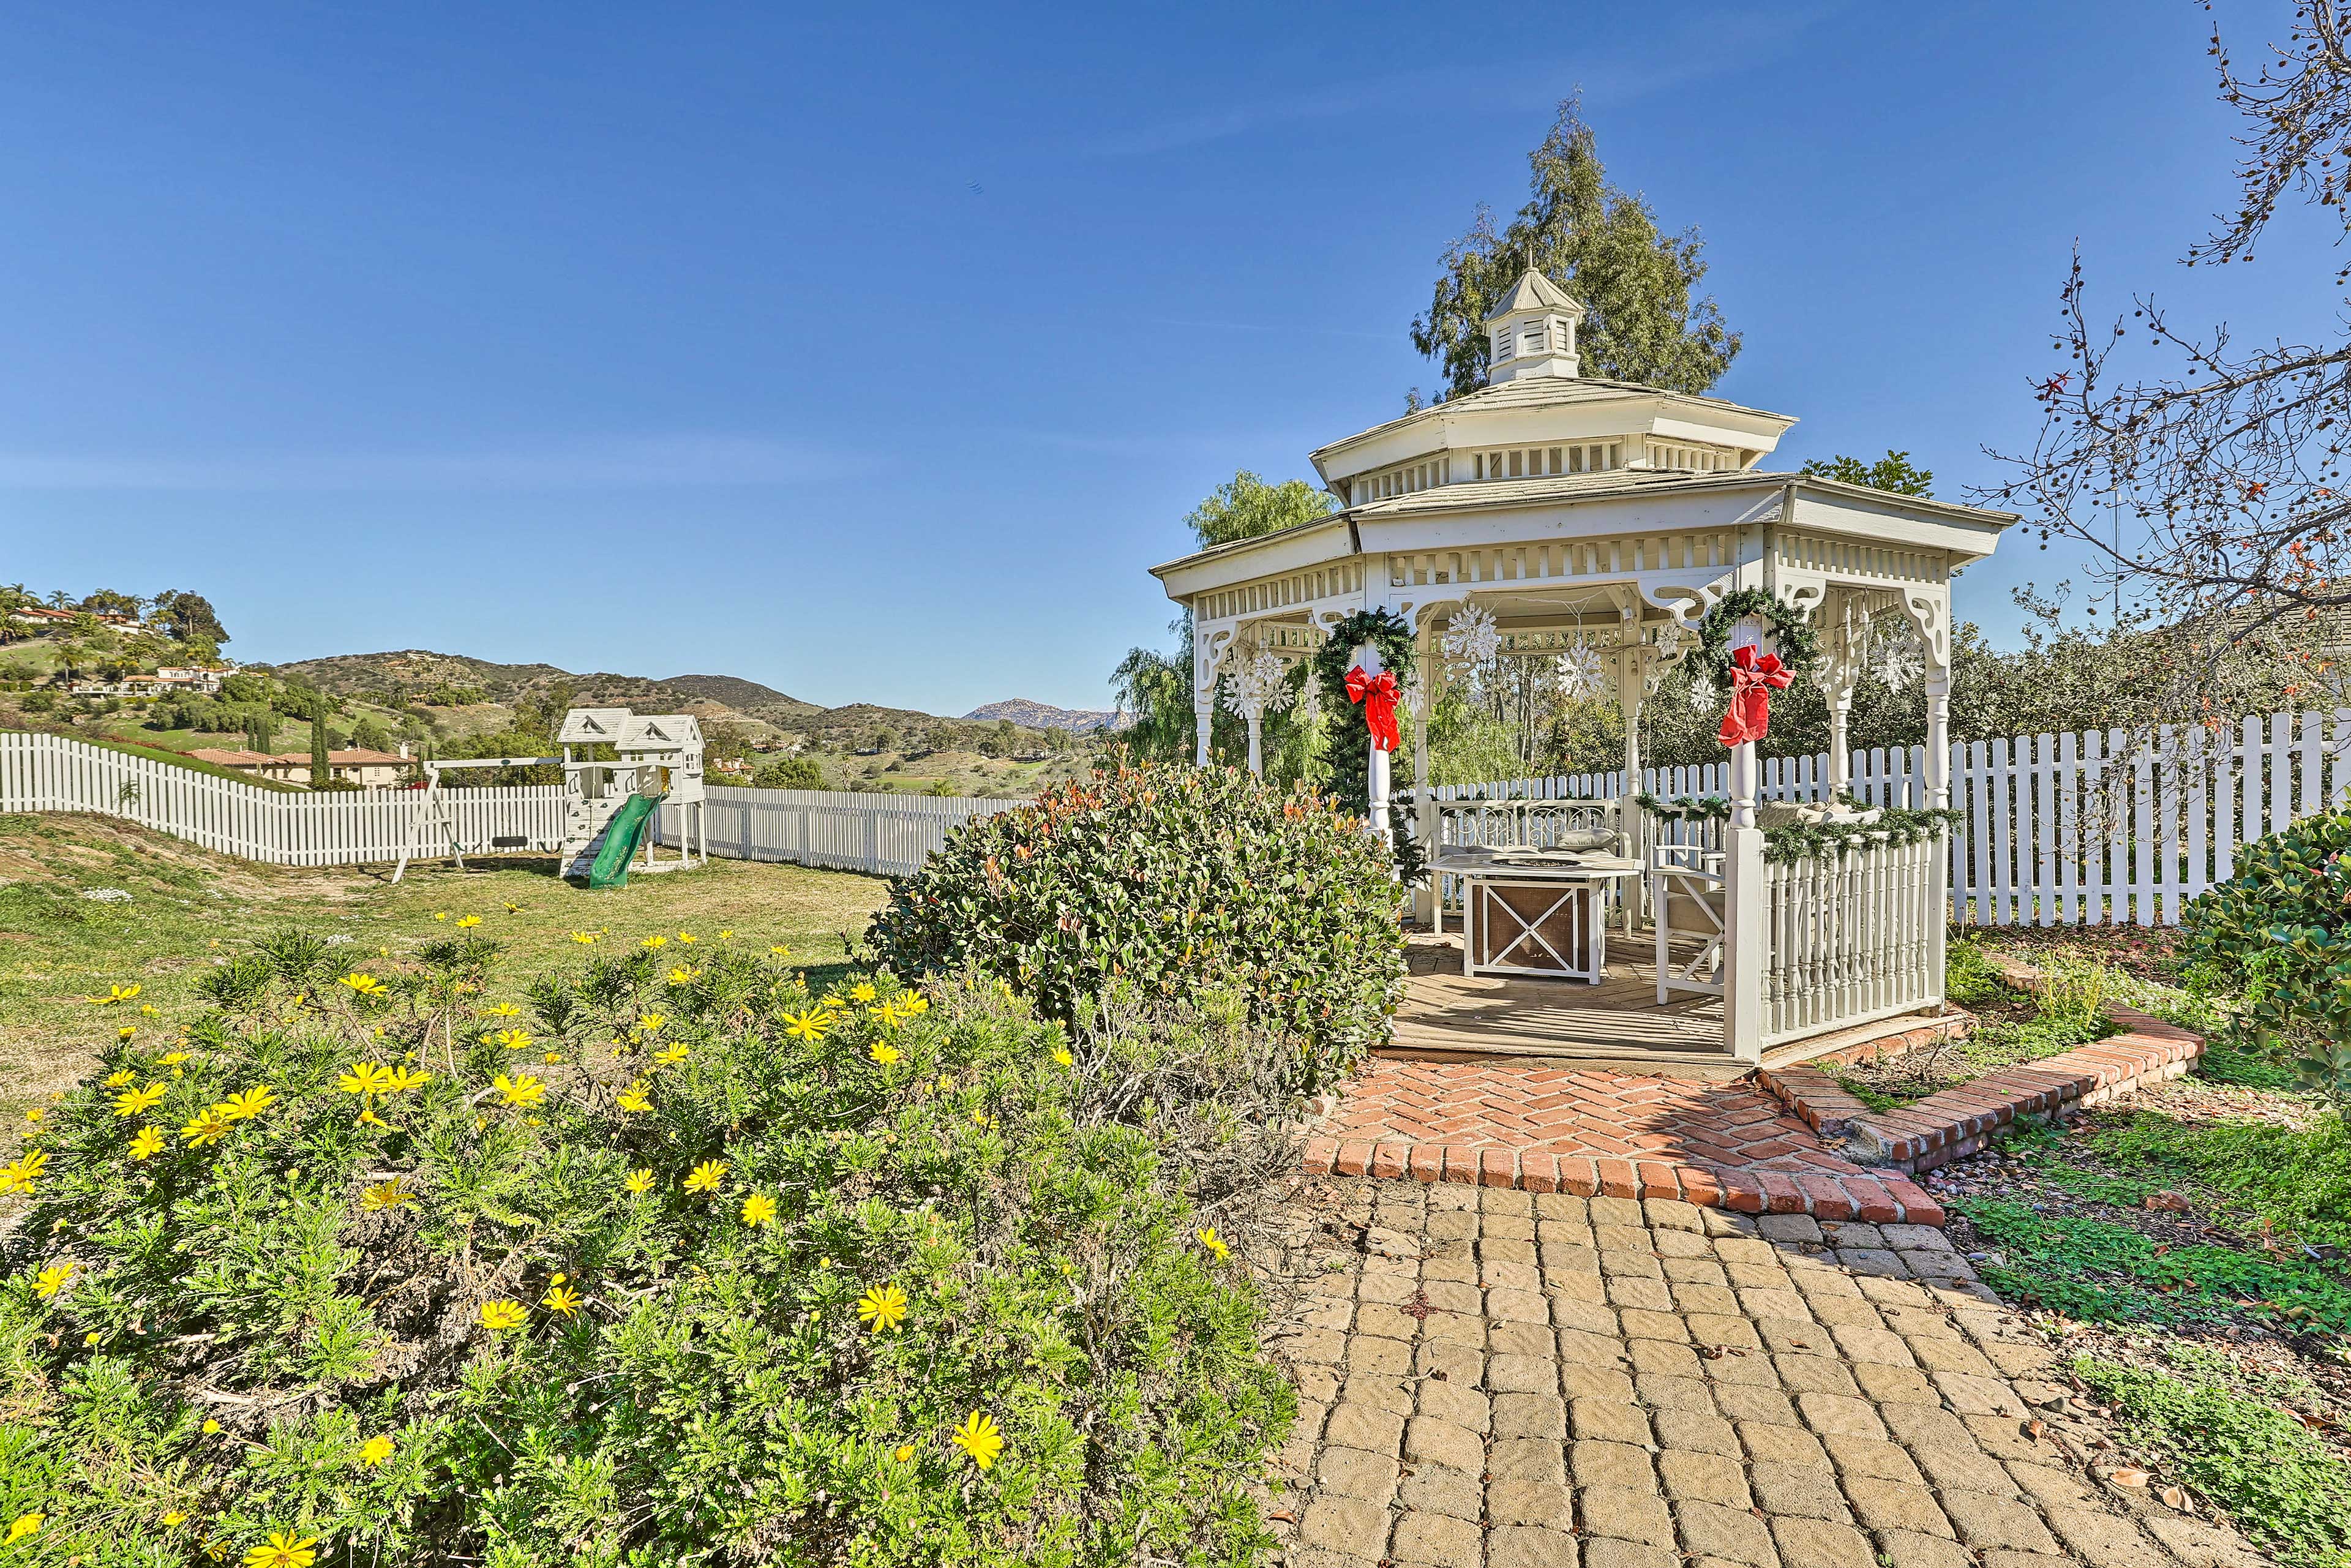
<point>56,773</point>
<point>2066,830</point>
<point>888,835</point>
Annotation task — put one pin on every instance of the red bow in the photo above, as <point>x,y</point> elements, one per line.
<point>1378,695</point>
<point>1753,679</point>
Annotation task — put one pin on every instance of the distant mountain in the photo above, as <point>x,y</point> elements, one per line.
<point>472,691</point>
<point>738,693</point>
<point>1045,715</point>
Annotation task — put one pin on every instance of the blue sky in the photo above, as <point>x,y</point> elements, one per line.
<point>875,353</point>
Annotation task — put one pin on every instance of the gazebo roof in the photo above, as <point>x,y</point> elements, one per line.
<point>1968,533</point>
<point>1546,393</point>
<point>1533,291</point>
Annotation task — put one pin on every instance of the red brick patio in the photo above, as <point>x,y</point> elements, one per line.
<point>1588,1132</point>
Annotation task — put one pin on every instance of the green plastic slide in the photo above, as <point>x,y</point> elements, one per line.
<point>626,830</point>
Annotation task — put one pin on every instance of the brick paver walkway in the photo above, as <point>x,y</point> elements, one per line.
<point>1590,1132</point>
<point>1495,1378</point>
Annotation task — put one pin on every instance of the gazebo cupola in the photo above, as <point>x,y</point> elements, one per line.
<point>1533,331</point>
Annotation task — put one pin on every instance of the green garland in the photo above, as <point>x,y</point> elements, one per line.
<point>1793,639</point>
<point>1349,756</point>
<point>1897,825</point>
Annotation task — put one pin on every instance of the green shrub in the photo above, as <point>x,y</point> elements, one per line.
<point>2278,1482</point>
<point>1174,880</point>
<point>489,1316</point>
<point>2277,930</point>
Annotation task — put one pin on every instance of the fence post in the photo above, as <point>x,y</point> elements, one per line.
<point>1743,915</point>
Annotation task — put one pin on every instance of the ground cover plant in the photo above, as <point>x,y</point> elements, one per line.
<point>87,902</point>
<point>665,1255</point>
<point>2187,1250</point>
<point>1170,879</point>
<point>2011,1026</point>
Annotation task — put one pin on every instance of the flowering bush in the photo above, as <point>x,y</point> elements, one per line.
<point>667,1262</point>
<point>1179,882</point>
<point>2278,930</point>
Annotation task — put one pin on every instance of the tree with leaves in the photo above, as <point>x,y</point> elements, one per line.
<point>190,617</point>
<point>1602,244</point>
<point>1247,507</point>
<point>1892,472</point>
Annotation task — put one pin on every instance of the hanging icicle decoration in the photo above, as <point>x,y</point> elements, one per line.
<point>1580,671</point>
<point>1471,637</point>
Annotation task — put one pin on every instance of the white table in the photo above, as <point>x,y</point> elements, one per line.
<point>1541,912</point>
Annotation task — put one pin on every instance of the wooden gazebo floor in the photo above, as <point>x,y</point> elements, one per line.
<point>1615,1023</point>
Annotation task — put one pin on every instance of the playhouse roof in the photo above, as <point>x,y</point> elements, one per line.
<point>583,726</point>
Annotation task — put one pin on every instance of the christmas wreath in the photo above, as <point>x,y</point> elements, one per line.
<point>1792,637</point>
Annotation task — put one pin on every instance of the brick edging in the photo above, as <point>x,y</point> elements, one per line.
<point>1877,1197</point>
<point>1958,1121</point>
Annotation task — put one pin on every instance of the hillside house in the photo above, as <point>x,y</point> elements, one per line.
<point>368,769</point>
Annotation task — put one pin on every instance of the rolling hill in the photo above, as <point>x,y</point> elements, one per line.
<point>1045,715</point>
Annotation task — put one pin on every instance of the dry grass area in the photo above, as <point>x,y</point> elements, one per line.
<point>185,907</point>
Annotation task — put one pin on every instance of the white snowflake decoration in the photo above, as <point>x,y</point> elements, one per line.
<point>1471,637</point>
<point>1580,671</point>
<point>1893,652</point>
<point>1415,694</point>
<point>1701,694</point>
<point>1251,682</point>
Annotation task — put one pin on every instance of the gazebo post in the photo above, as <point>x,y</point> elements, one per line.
<point>1424,809</point>
<point>1839,673</point>
<point>1204,696</point>
<point>1743,915</point>
<point>1632,681</point>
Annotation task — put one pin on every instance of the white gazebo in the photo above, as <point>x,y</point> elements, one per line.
<point>1602,520</point>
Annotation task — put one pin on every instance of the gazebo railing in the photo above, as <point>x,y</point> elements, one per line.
<point>1852,937</point>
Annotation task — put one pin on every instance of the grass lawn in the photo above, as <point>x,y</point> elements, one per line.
<point>187,908</point>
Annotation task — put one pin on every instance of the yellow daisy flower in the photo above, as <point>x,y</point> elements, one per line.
<point>688,937</point>
<point>650,1023</point>
<point>384,1195</point>
<point>19,1175</point>
<point>209,1127</point>
<point>980,1438</point>
<point>364,984</point>
<point>903,1453</point>
<point>523,1091</point>
<point>640,1180</point>
<point>148,1144</point>
<point>1061,1054</point>
<point>126,1031</point>
<point>513,1038</point>
<point>469,922</point>
<point>883,1052</point>
<point>780,951</point>
<point>137,1101</point>
<point>759,1209</point>
<point>560,1299</point>
<point>671,1055</point>
<point>404,1079</point>
<point>499,1316</point>
<point>725,936</point>
<point>284,1551</point>
<point>914,1004</point>
<point>116,1080</point>
<point>1214,1242</point>
<point>706,1176</point>
<point>51,1279</point>
<point>585,938</point>
<point>368,1078</point>
<point>251,1102</point>
<point>684,976</point>
<point>172,1058</point>
<point>376,1449</point>
<point>811,1025</point>
<point>502,1010</point>
<point>25,1524</point>
<point>632,1098</point>
<point>882,1307</point>
<point>862,991</point>
<point>119,994</point>
<point>656,943</point>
